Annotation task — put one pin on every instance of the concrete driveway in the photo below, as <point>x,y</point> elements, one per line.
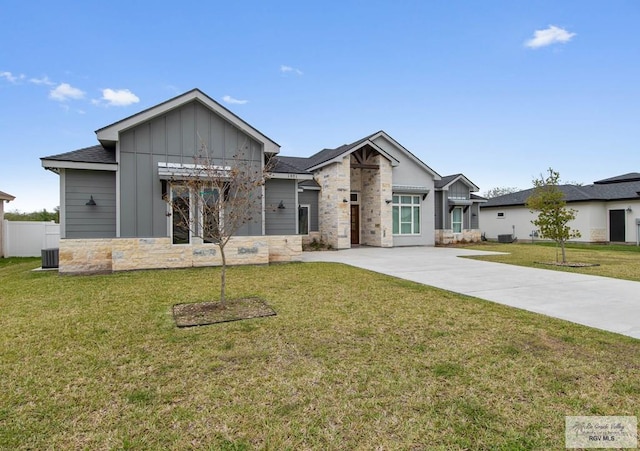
<point>600,302</point>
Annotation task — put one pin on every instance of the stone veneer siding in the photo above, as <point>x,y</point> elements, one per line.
<point>447,236</point>
<point>375,213</point>
<point>123,254</point>
<point>334,219</point>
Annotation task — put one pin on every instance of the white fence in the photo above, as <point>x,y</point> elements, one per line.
<point>28,238</point>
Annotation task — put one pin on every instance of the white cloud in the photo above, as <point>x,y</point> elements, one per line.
<point>118,97</point>
<point>41,81</point>
<point>229,99</point>
<point>10,77</point>
<point>549,36</point>
<point>288,69</point>
<point>64,92</point>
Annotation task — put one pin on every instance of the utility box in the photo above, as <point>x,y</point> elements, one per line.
<point>50,258</point>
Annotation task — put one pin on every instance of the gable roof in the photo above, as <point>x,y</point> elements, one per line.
<point>604,190</point>
<point>328,156</point>
<point>6,197</point>
<point>407,152</point>
<point>109,135</point>
<point>448,180</point>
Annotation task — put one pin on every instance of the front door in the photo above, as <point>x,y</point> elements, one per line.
<point>616,226</point>
<point>355,224</point>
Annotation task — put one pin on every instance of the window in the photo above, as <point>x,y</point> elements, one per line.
<point>456,220</point>
<point>195,213</point>
<point>406,215</point>
<point>303,219</point>
<point>500,215</point>
<point>354,198</point>
<point>211,214</point>
<point>180,214</point>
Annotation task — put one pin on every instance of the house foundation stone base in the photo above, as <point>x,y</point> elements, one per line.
<point>123,254</point>
<point>446,236</point>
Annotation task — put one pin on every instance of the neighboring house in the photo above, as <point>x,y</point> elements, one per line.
<point>113,215</point>
<point>607,211</point>
<point>4,197</point>
<point>457,210</point>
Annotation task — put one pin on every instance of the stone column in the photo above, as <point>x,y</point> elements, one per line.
<point>334,213</point>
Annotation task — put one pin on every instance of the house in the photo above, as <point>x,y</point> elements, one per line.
<point>607,211</point>
<point>4,197</point>
<point>457,217</point>
<point>113,215</point>
<point>372,192</point>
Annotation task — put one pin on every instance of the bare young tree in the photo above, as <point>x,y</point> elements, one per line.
<point>214,197</point>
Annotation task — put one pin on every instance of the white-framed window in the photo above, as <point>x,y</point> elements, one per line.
<point>194,213</point>
<point>500,215</point>
<point>456,220</point>
<point>303,219</point>
<point>406,215</point>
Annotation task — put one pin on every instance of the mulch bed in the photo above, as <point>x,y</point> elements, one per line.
<point>205,313</point>
<point>569,264</point>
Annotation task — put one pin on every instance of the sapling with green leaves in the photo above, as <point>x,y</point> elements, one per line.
<point>553,218</point>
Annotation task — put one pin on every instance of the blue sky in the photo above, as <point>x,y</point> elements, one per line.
<point>497,90</point>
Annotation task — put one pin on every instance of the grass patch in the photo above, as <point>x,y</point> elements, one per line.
<point>617,261</point>
<point>353,360</point>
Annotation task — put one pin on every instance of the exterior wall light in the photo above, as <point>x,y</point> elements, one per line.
<point>91,203</point>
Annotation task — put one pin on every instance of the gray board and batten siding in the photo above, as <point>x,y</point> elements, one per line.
<point>174,137</point>
<point>281,221</point>
<point>457,190</point>
<point>89,221</point>
<point>310,197</point>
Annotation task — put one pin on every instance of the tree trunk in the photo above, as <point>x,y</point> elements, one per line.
<point>223,277</point>
<point>564,255</point>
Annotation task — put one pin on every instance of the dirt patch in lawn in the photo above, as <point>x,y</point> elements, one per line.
<point>205,313</point>
<point>569,264</point>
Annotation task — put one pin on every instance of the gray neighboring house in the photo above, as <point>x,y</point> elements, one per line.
<point>4,197</point>
<point>607,211</point>
<point>457,210</point>
<point>113,217</point>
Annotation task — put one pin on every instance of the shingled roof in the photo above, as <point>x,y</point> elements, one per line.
<point>623,187</point>
<point>93,154</point>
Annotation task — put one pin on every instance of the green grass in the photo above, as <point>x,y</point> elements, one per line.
<point>617,261</point>
<point>353,360</point>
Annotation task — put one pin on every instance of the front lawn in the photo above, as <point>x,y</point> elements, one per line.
<point>353,360</point>
<point>618,261</point>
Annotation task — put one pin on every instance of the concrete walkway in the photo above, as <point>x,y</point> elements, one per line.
<point>599,302</point>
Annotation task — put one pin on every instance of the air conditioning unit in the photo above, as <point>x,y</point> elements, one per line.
<point>50,258</point>
<point>505,238</point>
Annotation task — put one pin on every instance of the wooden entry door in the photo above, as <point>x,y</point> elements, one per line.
<point>616,226</point>
<point>355,224</point>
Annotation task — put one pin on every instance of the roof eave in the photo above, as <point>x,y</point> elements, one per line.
<point>58,164</point>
